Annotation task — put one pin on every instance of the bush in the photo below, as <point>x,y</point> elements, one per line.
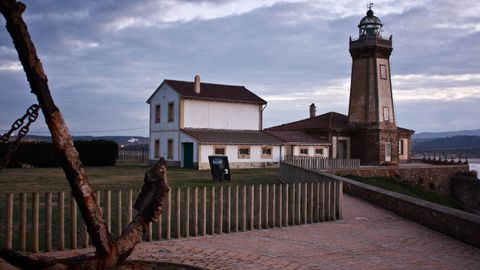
<point>42,154</point>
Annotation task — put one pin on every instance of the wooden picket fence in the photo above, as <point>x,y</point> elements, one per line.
<point>319,163</point>
<point>132,157</point>
<point>45,222</point>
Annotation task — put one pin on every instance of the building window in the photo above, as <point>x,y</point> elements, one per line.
<point>219,150</point>
<point>383,72</point>
<point>400,147</point>
<point>304,151</point>
<point>386,114</point>
<point>170,149</point>
<point>244,152</point>
<point>266,152</point>
<point>157,113</point>
<point>156,150</point>
<point>319,151</point>
<point>170,112</point>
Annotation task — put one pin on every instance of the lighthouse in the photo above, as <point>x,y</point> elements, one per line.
<point>371,114</point>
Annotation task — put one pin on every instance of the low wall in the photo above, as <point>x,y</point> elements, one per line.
<point>432,178</point>
<point>455,223</point>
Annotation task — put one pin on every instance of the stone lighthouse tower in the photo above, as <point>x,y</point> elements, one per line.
<point>371,113</point>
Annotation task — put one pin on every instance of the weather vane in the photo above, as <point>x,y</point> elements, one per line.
<point>369,6</point>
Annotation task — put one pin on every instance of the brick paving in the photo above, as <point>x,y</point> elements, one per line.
<point>369,237</point>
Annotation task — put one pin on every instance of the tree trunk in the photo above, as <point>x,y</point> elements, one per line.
<point>108,251</point>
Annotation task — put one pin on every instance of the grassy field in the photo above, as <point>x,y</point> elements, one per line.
<point>392,185</point>
<point>121,178</point>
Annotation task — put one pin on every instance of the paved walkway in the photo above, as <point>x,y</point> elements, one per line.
<point>368,238</point>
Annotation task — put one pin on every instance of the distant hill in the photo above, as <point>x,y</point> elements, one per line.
<point>432,135</point>
<point>456,145</point>
<point>121,140</point>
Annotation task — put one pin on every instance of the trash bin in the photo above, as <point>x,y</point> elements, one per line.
<point>220,168</point>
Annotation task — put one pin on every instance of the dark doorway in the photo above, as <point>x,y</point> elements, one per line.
<point>342,149</point>
<point>187,155</point>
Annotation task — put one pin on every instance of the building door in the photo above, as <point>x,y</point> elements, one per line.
<point>187,155</point>
<point>342,149</point>
<point>388,152</point>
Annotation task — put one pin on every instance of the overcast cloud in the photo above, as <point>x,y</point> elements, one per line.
<point>104,58</point>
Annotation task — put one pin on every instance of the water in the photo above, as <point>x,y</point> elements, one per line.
<point>475,167</point>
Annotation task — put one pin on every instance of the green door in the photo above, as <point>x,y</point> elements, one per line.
<point>187,155</point>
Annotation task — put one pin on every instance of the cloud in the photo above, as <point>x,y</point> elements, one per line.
<point>104,58</point>
<point>10,66</point>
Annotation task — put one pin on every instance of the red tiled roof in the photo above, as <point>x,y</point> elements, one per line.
<point>298,137</point>
<point>214,91</point>
<point>223,136</point>
<point>327,121</point>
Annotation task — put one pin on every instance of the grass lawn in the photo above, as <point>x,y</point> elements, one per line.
<point>392,185</point>
<point>121,178</point>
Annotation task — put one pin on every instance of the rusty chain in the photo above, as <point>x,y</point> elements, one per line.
<point>31,115</point>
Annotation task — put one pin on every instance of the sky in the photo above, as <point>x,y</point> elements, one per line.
<point>105,58</point>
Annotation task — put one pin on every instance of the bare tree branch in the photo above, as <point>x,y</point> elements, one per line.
<point>108,252</point>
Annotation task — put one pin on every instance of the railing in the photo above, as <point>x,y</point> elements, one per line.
<point>293,174</point>
<point>132,157</point>
<point>45,222</point>
<point>319,163</point>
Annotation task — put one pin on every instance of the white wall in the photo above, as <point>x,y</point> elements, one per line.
<point>164,130</point>
<point>164,137</point>
<point>311,150</point>
<point>221,115</point>
<point>232,152</point>
<point>164,96</point>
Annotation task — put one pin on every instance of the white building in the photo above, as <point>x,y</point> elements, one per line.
<point>190,121</point>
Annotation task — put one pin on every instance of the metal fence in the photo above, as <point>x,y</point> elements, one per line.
<point>50,221</point>
<point>318,163</point>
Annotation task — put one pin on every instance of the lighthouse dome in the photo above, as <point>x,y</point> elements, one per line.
<point>370,25</point>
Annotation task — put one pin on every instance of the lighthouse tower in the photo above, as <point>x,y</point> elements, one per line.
<point>371,113</point>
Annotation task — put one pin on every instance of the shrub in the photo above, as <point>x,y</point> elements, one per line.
<point>43,154</point>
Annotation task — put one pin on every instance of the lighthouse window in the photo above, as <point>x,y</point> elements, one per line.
<point>383,72</point>
<point>386,116</point>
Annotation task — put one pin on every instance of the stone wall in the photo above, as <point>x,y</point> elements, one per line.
<point>458,224</point>
<point>431,178</point>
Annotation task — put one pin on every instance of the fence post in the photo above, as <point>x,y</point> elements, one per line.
<point>294,206</point>
<point>310,198</point>
<point>268,200</point>
<point>9,221</point>
<point>204,211</point>
<point>119,213</point>
<point>252,206</point>
<point>212,210</point>
<point>187,212</point>
<point>130,206</point>
<point>305,203</point>
<point>195,211</point>
<point>48,221</point>
<point>61,220</point>
<point>260,205</point>
<point>244,208</point>
<point>168,225</point>
<point>340,200</point>
<point>177,213</point>
<point>23,222</point>
<point>108,209</point>
<point>35,220</point>
<point>280,205</point>
<point>236,215</point>
<point>286,205</point>
<point>229,206</point>
<point>73,223</point>
<point>220,211</point>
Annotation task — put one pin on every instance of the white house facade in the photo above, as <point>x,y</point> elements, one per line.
<point>190,121</point>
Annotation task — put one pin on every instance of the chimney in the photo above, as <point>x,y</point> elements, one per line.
<point>197,84</point>
<point>313,110</point>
